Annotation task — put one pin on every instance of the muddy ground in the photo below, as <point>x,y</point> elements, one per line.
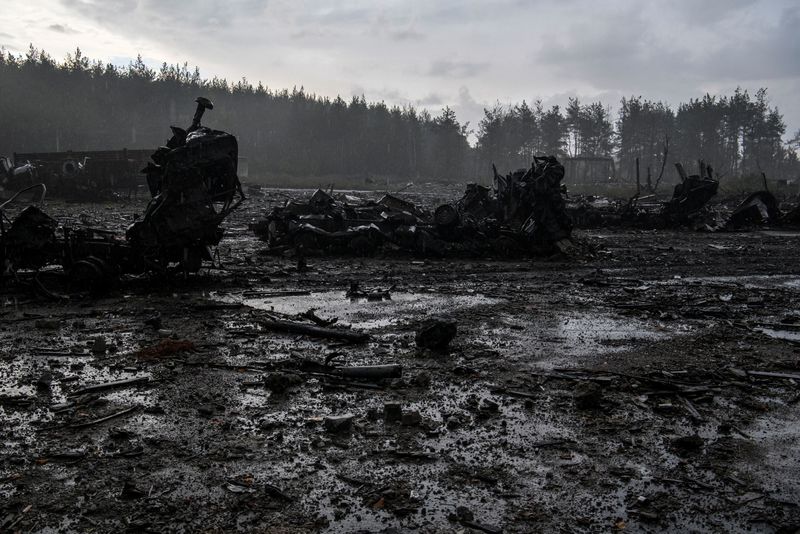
<point>649,385</point>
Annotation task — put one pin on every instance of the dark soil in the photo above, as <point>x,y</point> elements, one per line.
<point>649,385</point>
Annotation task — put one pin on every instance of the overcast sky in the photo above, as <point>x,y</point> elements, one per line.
<point>432,53</point>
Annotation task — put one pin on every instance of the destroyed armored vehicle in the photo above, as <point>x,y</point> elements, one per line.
<point>194,186</point>
<point>691,195</point>
<point>76,176</point>
<point>686,208</point>
<point>759,208</point>
<point>522,214</point>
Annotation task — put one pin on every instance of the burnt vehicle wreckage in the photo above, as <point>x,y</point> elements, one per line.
<point>76,175</point>
<point>522,214</point>
<point>689,207</point>
<point>525,213</point>
<point>194,186</point>
<point>686,208</point>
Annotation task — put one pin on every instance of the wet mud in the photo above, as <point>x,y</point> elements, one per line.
<point>648,385</point>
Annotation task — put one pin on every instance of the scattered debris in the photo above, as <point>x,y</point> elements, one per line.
<point>436,333</point>
<point>688,444</point>
<point>165,348</point>
<point>99,346</point>
<point>103,419</point>
<point>130,491</point>
<point>688,206</point>
<point>393,412</point>
<point>281,382</point>
<point>110,385</point>
<point>411,418</point>
<point>154,322</point>
<point>291,327</point>
<point>79,175</point>
<point>370,372</point>
<point>588,396</point>
<point>356,293</point>
<point>758,209</point>
<point>341,423</point>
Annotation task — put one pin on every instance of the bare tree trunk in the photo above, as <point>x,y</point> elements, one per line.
<point>663,162</point>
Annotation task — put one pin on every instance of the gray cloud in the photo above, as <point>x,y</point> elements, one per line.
<point>611,55</point>
<point>461,53</point>
<point>701,13</point>
<point>751,57</point>
<point>390,96</point>
<point>101,9</point>
<point>747,43</point>
<point>430,100</point>
<point>407,35</point>
<point>342,14</point>
<point>446,68</point>
<point>61,28</point>
<point>180,16</point>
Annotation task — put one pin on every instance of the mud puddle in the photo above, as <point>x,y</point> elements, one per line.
<point>784,335</point>
<point>777,437</point>
<point>367,314</point>
<point>548,339</point>
<point>551,340</point>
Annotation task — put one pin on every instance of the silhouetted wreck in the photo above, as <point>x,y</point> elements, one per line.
<point>758,209</point>
<point>689,208</point>
<point>686,208</point>
<point>523,214</point>
<point>194,185</point>
<point>76,175</point>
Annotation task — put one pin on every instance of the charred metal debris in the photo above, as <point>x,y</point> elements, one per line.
<point>76,176</point>
<point>522,214</point>
<point>689,208</point>
<point>194,186</point>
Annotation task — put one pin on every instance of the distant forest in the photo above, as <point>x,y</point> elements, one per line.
<point>79,104</point>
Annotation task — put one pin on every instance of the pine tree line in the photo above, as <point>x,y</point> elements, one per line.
<point>741,134</point>
<point>80,104</point>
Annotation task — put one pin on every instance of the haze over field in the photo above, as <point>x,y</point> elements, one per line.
<point>467,55</point>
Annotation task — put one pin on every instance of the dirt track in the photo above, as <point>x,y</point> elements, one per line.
<point>617,391</point>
